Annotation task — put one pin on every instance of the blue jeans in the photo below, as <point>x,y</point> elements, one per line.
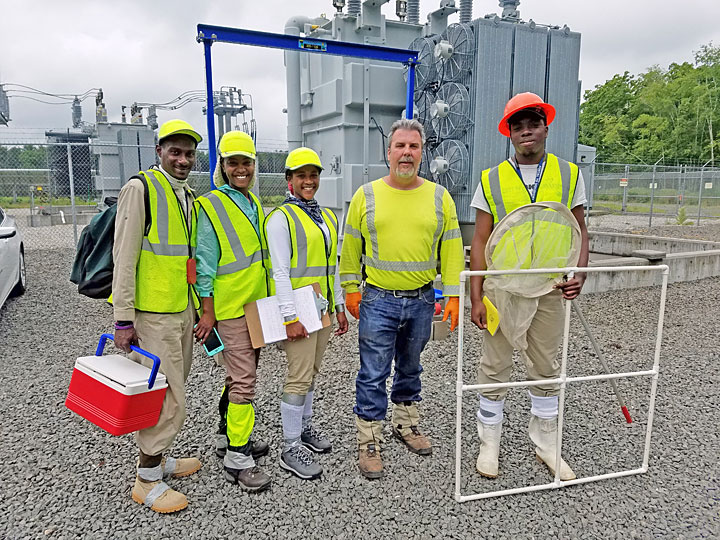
<point>391,328</point>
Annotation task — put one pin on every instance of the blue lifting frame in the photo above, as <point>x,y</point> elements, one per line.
<point>209,34</point>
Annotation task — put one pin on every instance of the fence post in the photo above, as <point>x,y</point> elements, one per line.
<point>652,196</point>
<point>72,192</point>
<point>625,188</point>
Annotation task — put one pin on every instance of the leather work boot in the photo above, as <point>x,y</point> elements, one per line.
<point>158,496</point>
<point>543,433</point>
<point>405,421</point>
<point>370,463</point>
<point>177,468</point>
<point>487,460</point>
<point>252,479</point>
<point>415,441</point>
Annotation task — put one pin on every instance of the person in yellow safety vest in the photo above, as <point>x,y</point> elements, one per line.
<point>154,303</point>
<point>396,229</point>
<point>531,175</point>
<point>303,240</point>
<point>231,256</point>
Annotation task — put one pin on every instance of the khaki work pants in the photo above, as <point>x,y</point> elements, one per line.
<point>240,358</point>
<point>541,358</point>
<point>169,336</point>
<point>304,358</point>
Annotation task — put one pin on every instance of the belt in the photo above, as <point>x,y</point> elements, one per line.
<point>412,293</point>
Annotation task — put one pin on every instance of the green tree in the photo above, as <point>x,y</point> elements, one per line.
<point>671,114</point>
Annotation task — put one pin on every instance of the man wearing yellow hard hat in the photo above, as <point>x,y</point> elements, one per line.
<point>231,255</point>
<point>154,302</point>
<point>531,175</point>
<point>303,239</point>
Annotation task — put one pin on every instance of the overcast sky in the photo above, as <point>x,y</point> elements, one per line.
<point>139,50</point>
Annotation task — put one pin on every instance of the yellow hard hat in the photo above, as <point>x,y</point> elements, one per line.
<point>236,143</point>
<point>178,127</point>
<point>300,157</point>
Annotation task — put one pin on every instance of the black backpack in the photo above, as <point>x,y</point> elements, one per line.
<point>92,269</point>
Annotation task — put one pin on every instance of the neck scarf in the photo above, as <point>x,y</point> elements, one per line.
<point>311,208</point>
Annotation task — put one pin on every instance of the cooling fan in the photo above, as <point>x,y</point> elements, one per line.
<point>450,111</point>
<point>451,165</point>
<point>425,69</point>
<point>454,52</point>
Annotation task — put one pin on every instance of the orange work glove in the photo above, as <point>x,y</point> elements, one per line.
<point>452,310</point>
<point>352,303</point>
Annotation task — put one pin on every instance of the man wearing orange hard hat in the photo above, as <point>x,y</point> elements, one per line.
<point>531,175</point>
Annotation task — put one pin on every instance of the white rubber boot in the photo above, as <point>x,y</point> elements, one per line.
<point>487,460</point>
<point>543,432</point>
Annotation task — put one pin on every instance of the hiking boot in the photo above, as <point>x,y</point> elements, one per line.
<point>416,442</point>
<point>370,462</point>
<point>177,468</point>
<point>315,440</point>
<point>299,461</point>
<point>158,496</point>
<point>252,479</point>
<point>258,449</point>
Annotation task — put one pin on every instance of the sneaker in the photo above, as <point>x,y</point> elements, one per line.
<point>315,440</point>
<point>370,463</point>
<point>158,496</point>
<point>259,449</point>
<point>252,479</point>
<point>299,461</point>
<point>415,441</point>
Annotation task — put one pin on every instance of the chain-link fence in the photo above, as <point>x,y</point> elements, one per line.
<point>681,194</point>
<point>54,189</point>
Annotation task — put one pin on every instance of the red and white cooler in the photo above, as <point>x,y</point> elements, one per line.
<point>115,393</point>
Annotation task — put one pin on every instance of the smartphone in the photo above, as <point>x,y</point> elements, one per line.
<point>213,344</point>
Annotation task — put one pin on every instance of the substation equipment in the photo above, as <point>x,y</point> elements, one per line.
<point>466,72</point>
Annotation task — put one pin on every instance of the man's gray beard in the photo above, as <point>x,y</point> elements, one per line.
<point>402,174</point>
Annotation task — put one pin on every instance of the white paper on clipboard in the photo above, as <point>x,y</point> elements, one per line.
<point>271,319</point>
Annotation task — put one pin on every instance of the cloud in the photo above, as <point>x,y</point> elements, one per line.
<point>146,51</point>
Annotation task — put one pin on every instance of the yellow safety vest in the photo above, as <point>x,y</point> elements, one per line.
<point>161,278</point>
<point>311,260</point>
<point>505,191</point>
<point>242,274</point>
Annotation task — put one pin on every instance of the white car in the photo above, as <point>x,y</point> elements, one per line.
<point>12,259</point>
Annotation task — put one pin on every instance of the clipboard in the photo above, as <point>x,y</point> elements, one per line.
<point>273,320</point>
<point>492,315</point>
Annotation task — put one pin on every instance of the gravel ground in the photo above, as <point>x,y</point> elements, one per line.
<point>65,478</point>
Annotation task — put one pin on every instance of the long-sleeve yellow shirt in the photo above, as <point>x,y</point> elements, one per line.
<point>397,236</point>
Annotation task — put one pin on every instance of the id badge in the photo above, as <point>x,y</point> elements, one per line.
<point>191,271</point>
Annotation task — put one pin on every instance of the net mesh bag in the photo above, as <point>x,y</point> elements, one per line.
<point>534,236</point>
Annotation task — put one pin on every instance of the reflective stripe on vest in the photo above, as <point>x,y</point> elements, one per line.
<point>310,260</point>
<point>161,276</point>
<point>241,275</point>
<point>505,190</point>
<point>374,261</point>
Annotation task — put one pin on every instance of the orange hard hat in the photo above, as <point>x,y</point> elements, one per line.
<point>526,100</point>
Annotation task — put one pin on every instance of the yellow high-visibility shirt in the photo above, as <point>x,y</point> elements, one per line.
<point>394,238</point>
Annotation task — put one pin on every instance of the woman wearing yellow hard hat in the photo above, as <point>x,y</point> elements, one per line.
<point>231,255</point>
<point>303,239</point>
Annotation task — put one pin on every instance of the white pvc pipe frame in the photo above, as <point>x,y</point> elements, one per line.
<point>562,380</point>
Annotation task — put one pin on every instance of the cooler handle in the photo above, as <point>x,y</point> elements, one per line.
<point>151,356</point>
